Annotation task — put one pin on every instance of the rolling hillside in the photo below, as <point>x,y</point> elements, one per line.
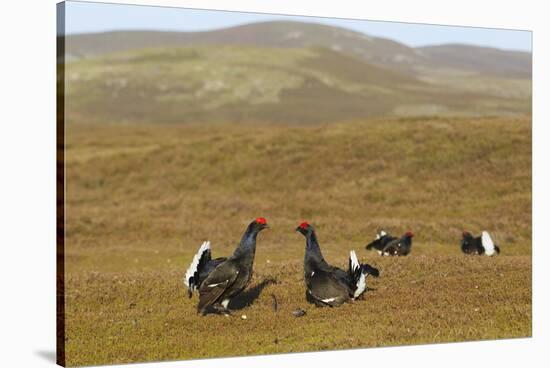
<point>268,85</point>
<point>379,51</point>
<point>484,60</point>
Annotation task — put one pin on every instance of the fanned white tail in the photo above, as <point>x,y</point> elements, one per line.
<point>487,243</point>
<point>361,282</point>
<point>354,261</point>
<point>195,263</point>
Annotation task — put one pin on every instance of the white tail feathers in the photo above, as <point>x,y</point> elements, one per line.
<point>354,261</point>
<point>487,243</point>
<point>381,234</point>
<point>355,265</point>
<point>361,285</point>
<point>195,263</point>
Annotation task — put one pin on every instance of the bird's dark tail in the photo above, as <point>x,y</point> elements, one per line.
<point>368,269</point>
<point>191,278</point>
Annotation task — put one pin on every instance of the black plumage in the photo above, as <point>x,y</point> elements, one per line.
<point>327,285</point>
<point>388,245</point>
<point>379,243</point>
<point>222,279</point>
<point>470,244</point>
<point>200,268</point>
<point>399,247</point>
<point>479,245</point>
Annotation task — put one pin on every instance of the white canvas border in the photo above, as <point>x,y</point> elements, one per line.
<point>27,188</point>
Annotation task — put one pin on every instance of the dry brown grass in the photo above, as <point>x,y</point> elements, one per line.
<point>141,199</point>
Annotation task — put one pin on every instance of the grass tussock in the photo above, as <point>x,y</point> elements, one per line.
<point>142,198</point>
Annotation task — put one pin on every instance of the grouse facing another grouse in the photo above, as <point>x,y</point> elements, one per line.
<point>327,285</point>
<point>478,245</point>
<point>219,280</point>
<point>388,245</point>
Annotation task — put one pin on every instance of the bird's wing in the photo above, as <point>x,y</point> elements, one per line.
<point>392,244</point>
<point>324,287</point>
<point>377,243</point>
<point>487,243</point>
<point>219,280</point>
<point>341,275</point>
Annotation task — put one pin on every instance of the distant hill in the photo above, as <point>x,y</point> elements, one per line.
<point>484,60</point>
<point>285,72</point>
<point>281,34</point>
<point>267,85</point>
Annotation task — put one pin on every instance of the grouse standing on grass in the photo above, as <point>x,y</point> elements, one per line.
<point>399,247</point>
<point>388,245</point>
<point>219,280</point>
<point>380,242</point>
<point>327,285</point>
<point>478,245</point>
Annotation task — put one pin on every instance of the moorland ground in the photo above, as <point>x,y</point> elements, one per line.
<point>141,198</point>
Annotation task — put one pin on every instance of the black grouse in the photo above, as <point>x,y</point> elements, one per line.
<point>478,245</point>
<point>388,245</point>
<point>219,280</point>
<point>327,285</point>
<point>380,242</point>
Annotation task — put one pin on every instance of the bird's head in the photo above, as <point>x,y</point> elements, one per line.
<point>304,228</point>
<point>259,224</point>
<point>409,234</point>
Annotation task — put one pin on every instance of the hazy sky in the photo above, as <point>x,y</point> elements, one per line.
<point>83,17</point>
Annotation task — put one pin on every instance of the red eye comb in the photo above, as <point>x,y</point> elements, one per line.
<point>304,225</point>
<point>261,220</point>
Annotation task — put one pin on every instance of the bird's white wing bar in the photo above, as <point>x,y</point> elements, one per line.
<point>487,243</point>
<point>195,263</point>
<point>354,261</point>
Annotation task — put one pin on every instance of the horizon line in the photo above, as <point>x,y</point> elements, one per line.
<point>214,29</point>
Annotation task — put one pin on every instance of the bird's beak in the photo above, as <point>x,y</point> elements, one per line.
<point>297,229</point>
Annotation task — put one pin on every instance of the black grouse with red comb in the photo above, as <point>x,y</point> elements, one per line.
<point>327,285</point>
<point>221,279</point>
